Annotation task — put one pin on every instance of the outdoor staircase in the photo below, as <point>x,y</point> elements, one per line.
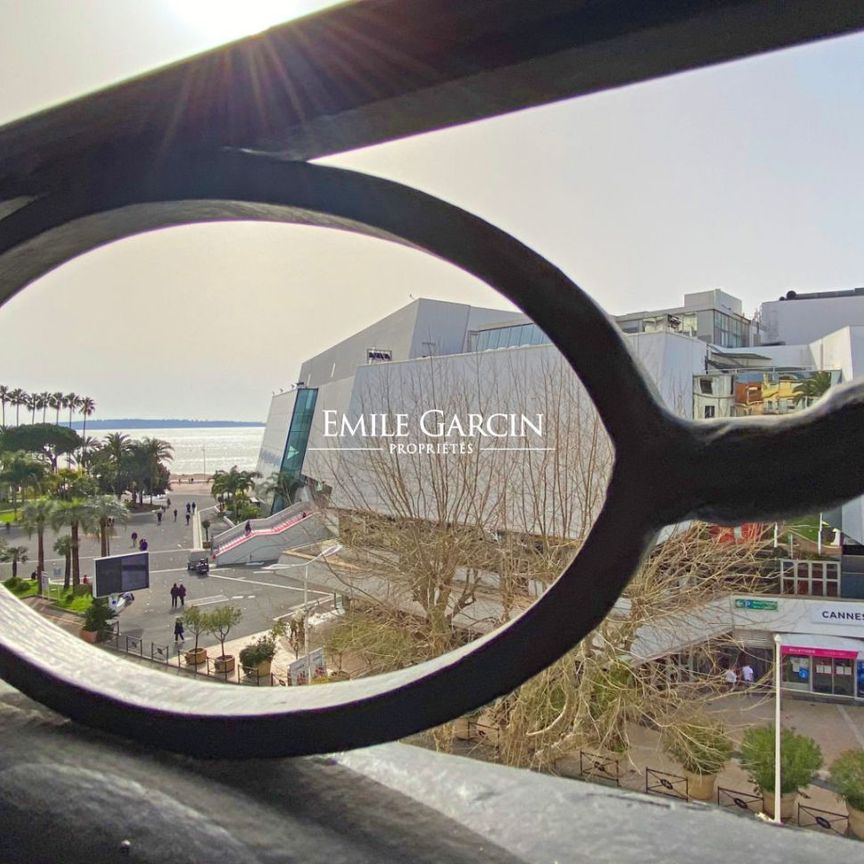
<point>294,526</point>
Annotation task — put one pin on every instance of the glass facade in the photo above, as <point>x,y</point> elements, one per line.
<point>507,337</point>
<point>298,439</point>
<point>821,671</point>
<point>730,331</point>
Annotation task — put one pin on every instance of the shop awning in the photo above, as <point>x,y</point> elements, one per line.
<point>811,645</point>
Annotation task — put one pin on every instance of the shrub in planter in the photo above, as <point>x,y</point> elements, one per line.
<point>258,656</point>
<point>96,620</point>
<point>800,759</point>
<point>702,747</point>
<point>847,774</point>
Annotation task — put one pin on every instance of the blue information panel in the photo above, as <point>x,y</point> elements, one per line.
<point>118,574</point>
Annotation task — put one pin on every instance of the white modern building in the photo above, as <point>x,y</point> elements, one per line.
<point>444,395</point>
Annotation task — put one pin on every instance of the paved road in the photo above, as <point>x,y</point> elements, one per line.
<point>261,594</point>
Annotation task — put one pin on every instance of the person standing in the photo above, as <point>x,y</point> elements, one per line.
<point>747,674</point>
<point>179,635</point>
<point>731,677</point>
<point>174,595</point>
<point>248,529</point>
<point>175,514</point>
<point>134,539</point>
<point>142,545</point>
<point>181,593</point>
<point>158,517</point>
<point>193,506</point>
<point>188,507</point>
<point>188,517</point>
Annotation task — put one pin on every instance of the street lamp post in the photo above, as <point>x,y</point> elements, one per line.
<point>777,736</point>
<point>306,621</point>
<point>324,553</point>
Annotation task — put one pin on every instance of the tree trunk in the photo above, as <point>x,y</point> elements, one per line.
<point>67,571</point>
<point>76,564</point>
<point>103,536</point>
<point>41,550</point>
<point>14,566</point>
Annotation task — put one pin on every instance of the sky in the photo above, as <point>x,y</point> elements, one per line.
<point>745,176</point>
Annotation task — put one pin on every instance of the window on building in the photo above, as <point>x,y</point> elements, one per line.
<point>796,672</point>
<point>708,413</point>
<point>706,386</point>
<point>378,355</point>
<point>834,676</point>
<point>810,578</point>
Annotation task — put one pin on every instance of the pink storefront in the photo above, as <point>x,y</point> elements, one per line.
<point>825,665</point>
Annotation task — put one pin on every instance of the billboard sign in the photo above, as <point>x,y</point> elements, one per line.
<point>119,574</point>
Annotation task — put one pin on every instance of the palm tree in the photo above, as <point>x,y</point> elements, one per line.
<point>106,508</point>
<point>14,554</point>
<point>111,464</point>
<point>35,515</point>
<point>17,397</point>
<point>153,452</point>
<point>32,405</point>
<point>58,401</point>
<point>86,406</point>
<point>88,445</point>
<point>71,401</point>
<point>4,398</point>
<point>813,388</point>
<point>21,471</point>
<point>233,483</point>
<point>77,514</point>
<point>63,546</point>
<point>44,403</point>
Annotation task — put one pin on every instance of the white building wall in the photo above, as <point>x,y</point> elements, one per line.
<point>794,615</point>
<point>798,322</point>
<point>670,360</point>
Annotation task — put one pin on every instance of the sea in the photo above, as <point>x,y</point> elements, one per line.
<point>203,450</point>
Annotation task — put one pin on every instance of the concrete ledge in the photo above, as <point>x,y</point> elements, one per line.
<point>73,795</point>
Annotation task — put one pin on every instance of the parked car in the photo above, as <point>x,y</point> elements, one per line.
<point>198,562</point>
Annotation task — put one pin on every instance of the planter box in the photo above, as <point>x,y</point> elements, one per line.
<point>787,804</point>
<point>262,670</point>
<point>700,787</point>
<point>856,821</point>
<point>196,656</point>
<point>224,665</point>
<point>91,636</point>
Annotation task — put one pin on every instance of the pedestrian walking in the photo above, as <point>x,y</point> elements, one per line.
<point>167,502</point>
<point>188,507</point>
<point>175,514</point>
<point>179,635</point>
<point>158,517</point>
<point>731,677</point>
<point>747,674</point>
<point>181,593</point>
<point>134,539</point>
<point>188,517</point>
<point>248,529</point>
<point>174,595</point>
<point>193,506</point>
<point>143,544</point>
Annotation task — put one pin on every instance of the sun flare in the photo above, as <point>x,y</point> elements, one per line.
<point>223,20</point>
